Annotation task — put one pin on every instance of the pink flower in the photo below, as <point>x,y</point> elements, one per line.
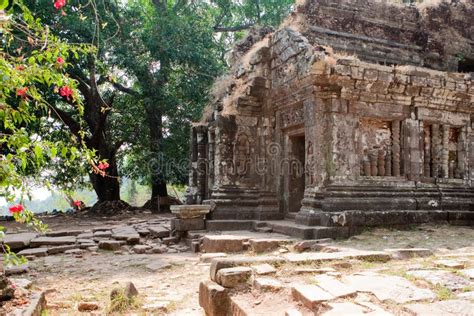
<point>60,60</point>
<point>22,92</point>
<point>58,4</point>
<point>103,165</point>
<point>65,91</point>
<point>16,208</point>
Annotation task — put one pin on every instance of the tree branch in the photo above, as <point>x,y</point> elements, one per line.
<point>233,28</point>
<point>124,89</point>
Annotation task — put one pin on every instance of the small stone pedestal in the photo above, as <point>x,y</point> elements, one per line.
<point>189,217</point>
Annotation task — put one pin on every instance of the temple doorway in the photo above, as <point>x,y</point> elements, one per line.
<point>296,174</point>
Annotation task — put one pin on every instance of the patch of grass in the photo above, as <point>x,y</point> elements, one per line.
<point>467,289</point>
<point>443,293</point>
<point>121,303</point>
<point>76,297</point>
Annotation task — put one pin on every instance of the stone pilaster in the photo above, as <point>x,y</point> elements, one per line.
<point>427,151</point>
<point>445,152</point>
<point>396,148</point>
<point>202,168</point>
<point>435,150</point>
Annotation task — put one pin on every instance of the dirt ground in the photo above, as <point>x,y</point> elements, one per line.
<point>173,289</point>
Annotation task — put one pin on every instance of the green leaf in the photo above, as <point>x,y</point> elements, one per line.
<point>3,4</point>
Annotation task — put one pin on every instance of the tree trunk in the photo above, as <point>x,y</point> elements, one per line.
<point>107,187</point>
<point>159,195</point>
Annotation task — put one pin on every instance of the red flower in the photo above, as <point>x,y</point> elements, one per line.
<point>16,208</point>
<point>60,60</point>
<point>77,203</point>
<point>20,67</point>
<point>58,4</point>
<point>65,91</point>
<point>22,92</point>
<point>103,165</point>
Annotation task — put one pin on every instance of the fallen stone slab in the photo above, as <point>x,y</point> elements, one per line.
<point>221,263</point>
<point>52,241</point>
<point>450,264</point>
<point>445,278</point>
<point>207,257</point>
<point>448,308</point>
<point>321,257</point>
<point>21,283</point>
<point>158,265</point>
<point>87,235</point>
<point>345,308</point>
<point>19,241</point>
<point>263,269</point>
<point>265,245</point>
<point>35,307</point>
<point>60,249</point>
<point>66,232</point>
<point>266,284</point>
<point>103,234</point>
<point>223,243</point>
<point>37,252</point>
<point>110,245</point>
<point>310,244</point>
<point>158,249</point>
<point>312,270</point>
<point>334,286</point>
<point>140,248</point>
<point>213,298</point>
<point>126,233</point>
<point>385,287</point>
<point>310,295</point>
<point>159,231</point>
<point>234,277</point>
<point>408,253</point>
<point>12,270</point>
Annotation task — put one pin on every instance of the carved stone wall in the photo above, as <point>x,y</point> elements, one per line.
<point>377,138</point>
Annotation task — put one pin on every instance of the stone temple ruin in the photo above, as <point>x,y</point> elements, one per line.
<point>353,113</point>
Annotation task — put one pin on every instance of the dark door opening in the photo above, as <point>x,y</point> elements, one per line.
<point>296,183</point>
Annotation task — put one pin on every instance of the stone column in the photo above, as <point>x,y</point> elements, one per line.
<point>201,137</point>
<point>381,162</point>
<point>435,150</point>
<point>427,151</point>
<point>461,171</point>
<point>192,183</point>
<point>211,153</point>
<point>445,152</point>
<point>373,155</point>
<point>396,148</point>
<point>388,164</point>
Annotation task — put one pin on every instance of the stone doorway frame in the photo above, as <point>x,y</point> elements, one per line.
<point>293,170</point>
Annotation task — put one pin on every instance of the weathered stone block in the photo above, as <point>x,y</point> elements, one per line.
<point>310,295</point>
<point>213,298</point>
<point>234,277</point>
<point>223,243</point>
<point>187,224</point>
